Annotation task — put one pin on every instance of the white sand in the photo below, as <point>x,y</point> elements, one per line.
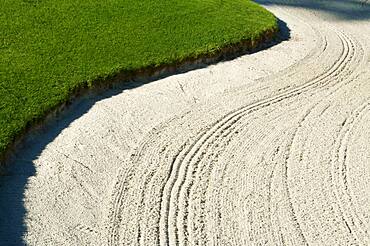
<point>272,148</point>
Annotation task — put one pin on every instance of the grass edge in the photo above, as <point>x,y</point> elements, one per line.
<point>149,73</point>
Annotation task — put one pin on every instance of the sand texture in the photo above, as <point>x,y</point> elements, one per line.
<point>272,148</point>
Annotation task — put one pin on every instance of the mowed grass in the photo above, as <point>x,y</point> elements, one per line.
<point>48,48</point>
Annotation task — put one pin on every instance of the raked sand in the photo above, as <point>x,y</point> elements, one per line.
<point>271,148</point>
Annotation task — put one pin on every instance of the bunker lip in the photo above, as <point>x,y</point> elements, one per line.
<point>149,74</point>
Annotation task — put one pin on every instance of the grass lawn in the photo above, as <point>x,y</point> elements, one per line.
<point>48,48</point>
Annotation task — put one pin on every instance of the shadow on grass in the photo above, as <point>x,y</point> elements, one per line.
<point>339,9</point>
<point>20,167</point>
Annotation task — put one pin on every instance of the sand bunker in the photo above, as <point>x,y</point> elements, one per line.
<point>269,149</point>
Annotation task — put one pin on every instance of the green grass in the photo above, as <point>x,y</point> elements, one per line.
<point>48,48</point>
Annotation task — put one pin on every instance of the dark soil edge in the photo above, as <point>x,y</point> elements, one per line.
<point>148,74</point>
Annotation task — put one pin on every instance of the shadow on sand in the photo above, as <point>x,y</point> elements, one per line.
<point>20,166</point>
<point>339,9</point>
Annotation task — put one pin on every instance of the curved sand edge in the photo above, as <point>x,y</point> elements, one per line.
<point>146,75</point>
